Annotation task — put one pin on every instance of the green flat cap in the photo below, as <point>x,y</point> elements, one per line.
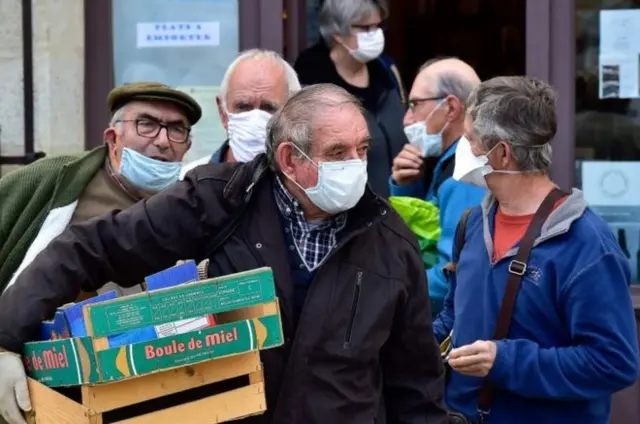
<point>126,93</point>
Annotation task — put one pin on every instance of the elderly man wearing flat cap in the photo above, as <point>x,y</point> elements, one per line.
<point>145,142</point>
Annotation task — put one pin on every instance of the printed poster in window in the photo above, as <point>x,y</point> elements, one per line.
<point>619,54</point>
<point>618,76</point>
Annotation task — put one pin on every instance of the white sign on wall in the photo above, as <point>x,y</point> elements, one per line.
<point>619,72</point>
<point>177,34</point>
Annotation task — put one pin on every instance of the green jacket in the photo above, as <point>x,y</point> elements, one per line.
<point>37,203</point>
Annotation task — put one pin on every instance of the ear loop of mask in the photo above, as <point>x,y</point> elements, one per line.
<point>426,120</point>
<point>306,157</point>
<point>508,171</point>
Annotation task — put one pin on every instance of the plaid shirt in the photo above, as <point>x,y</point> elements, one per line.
<point>313,241</point>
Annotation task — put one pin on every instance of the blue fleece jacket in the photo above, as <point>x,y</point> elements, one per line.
<point>452,197</point>
<point>572,341</point>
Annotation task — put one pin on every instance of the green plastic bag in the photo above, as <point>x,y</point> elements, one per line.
<point>423,218</point>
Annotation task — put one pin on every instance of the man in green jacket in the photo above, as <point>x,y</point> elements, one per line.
<point>145,142</point>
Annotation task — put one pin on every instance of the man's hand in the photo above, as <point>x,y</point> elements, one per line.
<point>407,166</point>
<point>475,359</point>
<point>14,392</point>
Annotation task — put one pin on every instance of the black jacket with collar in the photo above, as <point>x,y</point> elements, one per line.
<point>356,356</point>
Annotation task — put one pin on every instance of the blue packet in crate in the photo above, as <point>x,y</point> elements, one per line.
<point>74,316</point>
<point>59,326</point>
<point>180,274</point>
<point>46,328</point>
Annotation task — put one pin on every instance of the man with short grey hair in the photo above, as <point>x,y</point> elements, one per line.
<point>256,84</point>
<point>424,168</point>
<point>538,313</point>
<point>359,345</point>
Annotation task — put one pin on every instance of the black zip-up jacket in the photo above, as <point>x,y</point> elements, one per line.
<point>363,350</point>
<point>384,110</point>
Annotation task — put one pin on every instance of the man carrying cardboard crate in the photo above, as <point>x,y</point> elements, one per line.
<point>359,345</point>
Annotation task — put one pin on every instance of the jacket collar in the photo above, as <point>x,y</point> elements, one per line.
<point>256,176</point>
<point>218,155</point>
<point>75,176</point>
<point>450,152</point>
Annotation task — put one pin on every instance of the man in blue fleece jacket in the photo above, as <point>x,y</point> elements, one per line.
<point>433,124</point>
<point>572,339</point>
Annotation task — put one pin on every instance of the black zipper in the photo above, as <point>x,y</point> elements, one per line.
<point>354,309</point>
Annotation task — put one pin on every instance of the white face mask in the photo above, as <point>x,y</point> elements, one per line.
<point>473,169</point>
<point>340,185</point>
<point>247,132</point>
<point>429,144</point>
<point>370,46</point>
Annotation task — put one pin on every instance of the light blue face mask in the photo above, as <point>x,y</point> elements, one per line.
<point>430,144</point>
<point>146,173</point>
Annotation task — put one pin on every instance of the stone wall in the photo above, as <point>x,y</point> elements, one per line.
<point>58,69</point>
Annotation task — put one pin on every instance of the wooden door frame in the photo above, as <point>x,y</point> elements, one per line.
<point>551,46</point>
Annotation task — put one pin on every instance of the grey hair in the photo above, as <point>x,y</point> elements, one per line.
<point>449,82</point>
<point>336,17</point>
<point>295,122</point>
<point>293,84</point>
<point>520,111</point>
<point>118,115</point>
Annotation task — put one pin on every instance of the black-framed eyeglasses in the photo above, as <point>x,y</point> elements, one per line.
<point>149,128</point>
<point>413,103</point>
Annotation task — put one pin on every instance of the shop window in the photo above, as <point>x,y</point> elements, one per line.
<point>187,44</point>
<point>607,124</point>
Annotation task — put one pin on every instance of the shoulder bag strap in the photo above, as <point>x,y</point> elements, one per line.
<point>460,234</point>
<point>517,269</point>
<point>462,229</point>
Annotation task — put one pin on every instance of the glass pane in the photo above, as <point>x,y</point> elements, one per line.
<point>187,44</point>
<point>608,116</point>
<point>313,33</point>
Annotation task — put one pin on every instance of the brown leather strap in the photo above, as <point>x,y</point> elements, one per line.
<point>517,269</point>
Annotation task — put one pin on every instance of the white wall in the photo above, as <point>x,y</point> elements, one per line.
<point>58,61</point>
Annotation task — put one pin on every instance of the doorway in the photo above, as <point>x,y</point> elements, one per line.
<point>487,34</point>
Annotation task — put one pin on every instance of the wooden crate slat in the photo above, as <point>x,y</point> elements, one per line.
<point>246,401</point>
<point>110,396</point>
<point>212,296</point>
<point>55,408</point>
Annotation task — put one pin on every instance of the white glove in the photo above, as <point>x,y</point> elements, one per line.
<point>14,392</point>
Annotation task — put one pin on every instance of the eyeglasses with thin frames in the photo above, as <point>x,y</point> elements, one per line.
<point>151,129</point>
<point>413,103</point>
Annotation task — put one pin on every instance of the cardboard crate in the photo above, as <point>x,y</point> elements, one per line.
<point>248,314</point>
